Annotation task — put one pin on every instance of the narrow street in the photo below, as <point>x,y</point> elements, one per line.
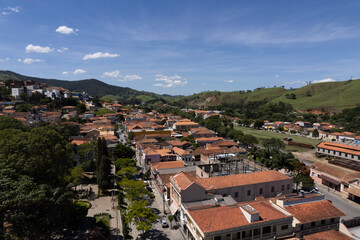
<point>158,232</point>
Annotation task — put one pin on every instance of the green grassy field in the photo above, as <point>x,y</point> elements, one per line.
<point>262,134</point>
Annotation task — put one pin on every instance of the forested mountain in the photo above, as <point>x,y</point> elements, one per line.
<point>92,86</point>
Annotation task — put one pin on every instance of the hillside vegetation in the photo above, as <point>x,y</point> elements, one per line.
<point>328,97</point>
<point>92,86</point>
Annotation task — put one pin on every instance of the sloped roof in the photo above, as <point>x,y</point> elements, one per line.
<point>217,218</point>
<point>327,235</point>
<point>340,147</point>
<point>240,179</point>
<point>314,211</point>
<point>170,164</point>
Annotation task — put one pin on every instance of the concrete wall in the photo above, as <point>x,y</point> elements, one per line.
<point>249,192</point>
<point>193,193</point>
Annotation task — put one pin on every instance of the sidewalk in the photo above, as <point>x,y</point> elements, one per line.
<point>106,204</point>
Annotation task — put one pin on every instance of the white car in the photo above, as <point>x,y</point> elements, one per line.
<point>164,223</point>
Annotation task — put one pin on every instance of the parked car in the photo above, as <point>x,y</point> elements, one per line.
<point>164,223</point>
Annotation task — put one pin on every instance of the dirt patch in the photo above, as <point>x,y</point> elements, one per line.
<point>307,156</point>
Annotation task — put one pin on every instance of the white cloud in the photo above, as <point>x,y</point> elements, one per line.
<point>283,34</point>
<point>100,55</point>
<point>79,71</point>
<point>169,81</point>
<point>324,80</point>
<point>131,77</point>
<point>277,76</point>
<point>29,60</point>
<point>229,81</point>
<point>112,74</point>
<point>4,59</point>
<point>62,49</point>
<point>38,49</point>
<point>65,73</point>
<point>10,10</point>
<point>66,30</point>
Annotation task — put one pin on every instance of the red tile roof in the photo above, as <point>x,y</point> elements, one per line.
<point>183,180</point>
<point>164,165</point>
<point>314,211</point>
<point>241,179</point>
<point>214,219</point>
<point>340,148</point>
<point>327,235</point>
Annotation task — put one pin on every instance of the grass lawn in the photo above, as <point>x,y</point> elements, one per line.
<point>104,217</point>
<point>103,111</point>
<point>262,134</point>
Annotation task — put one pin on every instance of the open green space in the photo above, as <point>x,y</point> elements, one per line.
<point>103,111</point>
<point>261,134</point>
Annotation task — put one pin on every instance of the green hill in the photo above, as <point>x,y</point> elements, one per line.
<point>92,86</point>
<point>329,97</point>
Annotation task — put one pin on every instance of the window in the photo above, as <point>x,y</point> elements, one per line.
<point>322,222</point>
<point>248,192</point>
<point>313,224</point>
<point>228,235</point>
<point>236,194</point>
<point>217,238</point>
<point>260,191</point>
<point>272,189</point>
<point>266,229</point>
<point>257,232</point>
<point>332,220</point>
<point>282,187</point>
<point>238,235</point>
<point>288,187</point>
<point>284,227</point>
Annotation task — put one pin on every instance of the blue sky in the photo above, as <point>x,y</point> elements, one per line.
<point>182,47</point>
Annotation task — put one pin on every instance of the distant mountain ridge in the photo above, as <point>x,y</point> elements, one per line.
<point>325,97</point>
<point>92,86</point>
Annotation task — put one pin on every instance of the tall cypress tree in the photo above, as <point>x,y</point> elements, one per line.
<point>104,171</point>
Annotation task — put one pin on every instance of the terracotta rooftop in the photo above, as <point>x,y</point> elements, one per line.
<point>171,164</point>
<point>186,123</point>
<point>343,174</point>
<point>327,235</point>
<point>180,151</point>
<point>225,143</point>
<point>340,147</point>
<point>183,180</point>
<point>353,190</point>
<point>240,179</point>
<point>178,143</point>
<point>210,139</point>
<point>212,219</point>
<point>314,211</point>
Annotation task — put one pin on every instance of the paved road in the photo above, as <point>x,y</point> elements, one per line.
<point>157,232</point>
<point>350,208</point>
